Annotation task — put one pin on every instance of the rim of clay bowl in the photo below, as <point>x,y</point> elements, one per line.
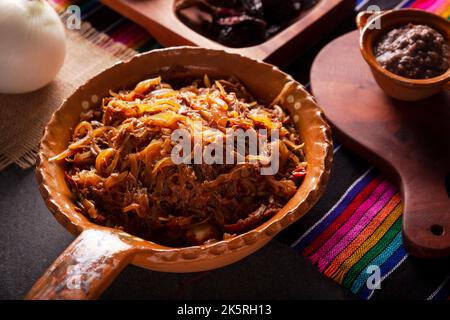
<point>305,197</point>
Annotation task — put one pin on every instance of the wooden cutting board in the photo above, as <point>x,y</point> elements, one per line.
<point>410,141</point>
<point>159,18</point>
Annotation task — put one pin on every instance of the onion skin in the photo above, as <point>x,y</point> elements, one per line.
<point>32,45</point>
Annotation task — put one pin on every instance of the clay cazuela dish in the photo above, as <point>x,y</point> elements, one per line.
<point>99,253</point>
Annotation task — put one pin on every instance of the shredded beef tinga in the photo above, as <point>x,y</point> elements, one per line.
<point>120,169</point>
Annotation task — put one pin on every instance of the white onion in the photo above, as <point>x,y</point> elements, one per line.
<point>32,45</point>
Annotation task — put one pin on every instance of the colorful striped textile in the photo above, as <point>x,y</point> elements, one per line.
<point>361,230</point>
<point>360,233</point>
<point>111,23</point>
<point>356,232</point>
<point>440,7</point>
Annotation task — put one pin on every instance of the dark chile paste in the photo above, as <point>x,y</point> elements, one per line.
<point>414,51</point>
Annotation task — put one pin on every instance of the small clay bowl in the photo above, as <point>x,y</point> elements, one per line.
<point>98,254</point>
<point>394,85</point>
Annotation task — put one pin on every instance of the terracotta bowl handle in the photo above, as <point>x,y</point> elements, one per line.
<point>85,269</point>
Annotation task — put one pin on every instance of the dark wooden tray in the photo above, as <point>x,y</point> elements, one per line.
<point>409,140</point>
<point>159,18</point>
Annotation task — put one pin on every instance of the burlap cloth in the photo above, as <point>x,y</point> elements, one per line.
<point>23,117</point>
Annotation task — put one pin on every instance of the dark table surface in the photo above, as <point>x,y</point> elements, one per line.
<point>31,239</point>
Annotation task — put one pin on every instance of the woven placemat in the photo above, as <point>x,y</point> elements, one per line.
<point>23,117</point>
